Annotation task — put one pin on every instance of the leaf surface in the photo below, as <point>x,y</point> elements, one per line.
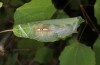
<point>97,10</point>
<point>44,55</point>
<point>12,58</point>
<point>29,44</point>
<point>48,30</point>
<point>33,11</point>
<point>1,4</point>
<point>77,54</point>
<point>96,48</point>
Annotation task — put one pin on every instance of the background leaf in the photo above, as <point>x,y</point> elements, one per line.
<point>97,10</point>
<point>16,3</point>
<point>44,55</point>
<point>1,4</point>
<point>75,4</point>
<point>12,58</point>
<point>59,14</point>
<point>34,10</point>
<point>29,44</point>
<point>96,48</point>
<point>1,60</point>
<point>77,54</point>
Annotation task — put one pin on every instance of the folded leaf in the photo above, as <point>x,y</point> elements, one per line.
<point>48,30</point>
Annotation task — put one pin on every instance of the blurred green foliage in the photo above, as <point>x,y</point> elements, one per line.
<point>20,51</point>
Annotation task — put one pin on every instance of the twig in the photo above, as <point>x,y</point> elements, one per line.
<point>10,30</point>
<point>87,17</point>
<point>17,50</point>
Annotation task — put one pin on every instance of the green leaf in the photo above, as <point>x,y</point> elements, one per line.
<point>1,4</point>
<point>1,60</point>
<point>75,4</point>
<point>16,3</point>
<point>3,17</point>
<point>29,44</point>
<point>48,30</point>
<point>33,11</point>
<point>12,58</point>
<point>10,12</point>
<point>59,14</point>
<point>97,10</point>
<point>96,48</point>
<point>77,54</point>
<point>85,2</point>
<point>44,55</point>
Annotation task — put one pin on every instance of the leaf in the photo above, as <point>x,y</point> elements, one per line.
<point>29,44</point>
<point>33,11</point>
<point>1,4</point>
<point>59,14</point>
<point>85,2</point>
<point>1,60</point>
<point>75,4</point>
<point>77,54</point>
<point>12,58</point>
<point>48,30</point>
<point>10,11</point>
<point>96,48</point>
<point>97,10</point>
<point>16,3</point>
<point>44,55</point>
<point>3,16</point>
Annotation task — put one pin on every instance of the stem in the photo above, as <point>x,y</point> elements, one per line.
<point>10,30</point>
